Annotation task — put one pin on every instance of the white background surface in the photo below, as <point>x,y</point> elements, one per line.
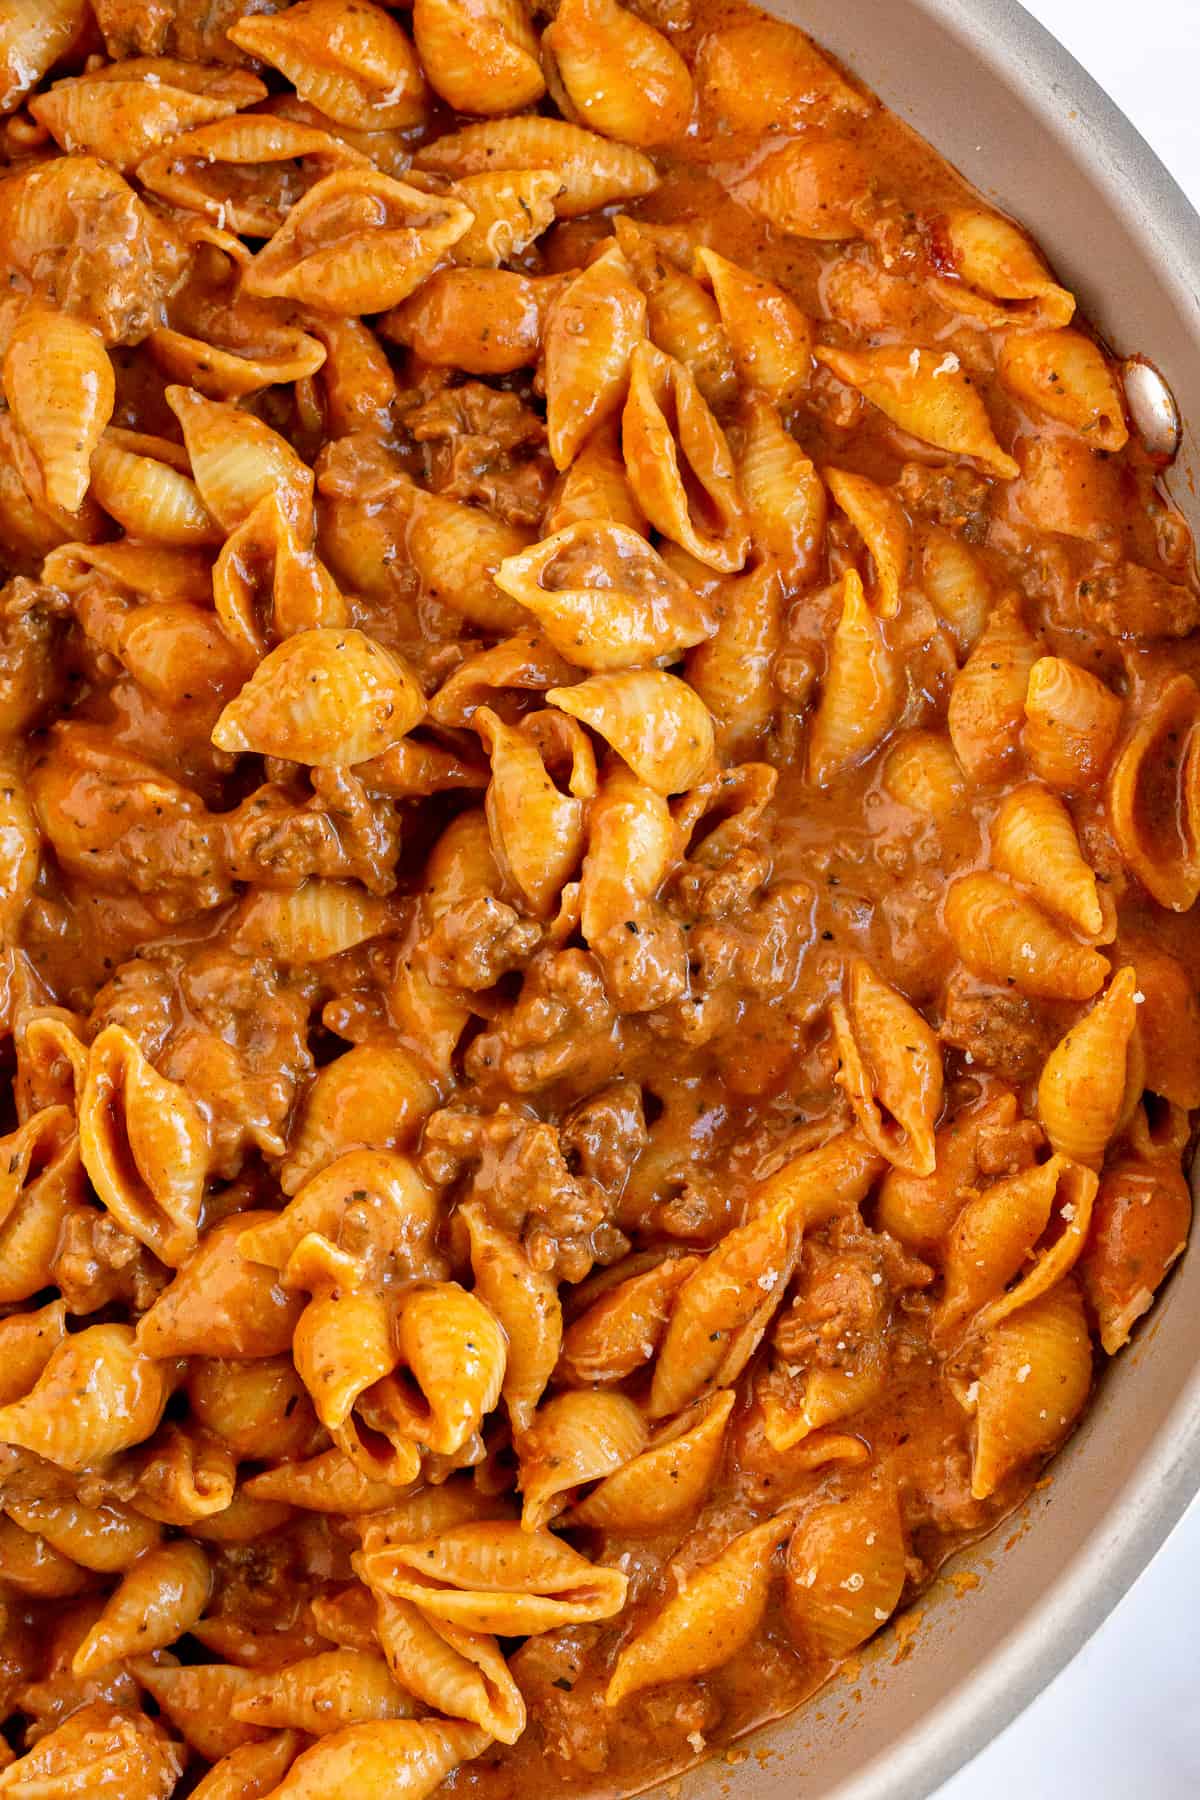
<point>1123,1721</point>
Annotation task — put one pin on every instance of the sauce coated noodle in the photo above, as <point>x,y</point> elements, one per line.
<point>598,843</point>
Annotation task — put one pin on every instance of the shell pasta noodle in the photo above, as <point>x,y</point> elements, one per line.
<point>599,851</point>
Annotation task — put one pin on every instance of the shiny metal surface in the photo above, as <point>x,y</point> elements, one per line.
<point>1006,103</point>
<point>1152,407</point>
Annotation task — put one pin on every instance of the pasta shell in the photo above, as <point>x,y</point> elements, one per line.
<point>509,210</point>
<point>358,386</point>
<point>891,1069</point>
<point>441,322</point>
<point>107,1539</point>
<point>35,36</point>
<point>669,1480</point>
<point>882,523</point>
<point>329,1483</point>
<point>920,1210</point>
<point>723,1309</point>
<point>733,672</point>
<point>35,1143</point>
<point>845,1573</point>
<point>497,1577</point>
<point>819,188</point>
<point>633,844</point>
<point>1066,376</point>
<point>60,387</point>
<point>825,1397</point>
<point>326,1693</point>
<point>47,224</point>
<point>785,495</point>
<point>593,171</point>
<point>325,696</point>
<point>617,1335</point>
<point>621,76</point>
<point>714,1614</point>
<point>1033,840</point>
<point>1001,935</point>
<point>157,1601</point>
<point>987,700</point>
<point>203,170</point>
<point>412,770</point>
<point>197,1700</point>
<point>98,1746</point>
<point>1072,722</point>
<point>96,1396</point>
<point>236,460</point>
<point>1139,1229</point>
<point>480,58</point>
<point>121,112</point>
<point>765,68</point>
<point>955,581</point>
<point>861,695</point>
<point>34,1569</point>
<point>816,1186</point>
<point>220,1303</point>
<point>230,374</point>
<point>252,1769</point>
<point>1034,1377</point>
<point>604,598</point>
<point>51,1071</point>
<point>770,338</point>
<point>265,586</point>
<point>922,773</point>
<point>30,528</point>
<point>574,1439</point>
<point>991,254</point>
<point>682,317</point>
<point>525,1301</point>
<point>357,242</point>
<point>927,395</point>
<point>405,1759</point>
<point>181,1476</point>
<point>996,1232</point>
<point>390,151</point>
<point>257,1406</point>
<point>537,830</point>
<point>143,1145</point>
<point>680,465</point>
<point>374,1095</point>
<point>144,569</point>
<point>591,333</point>
<point>373,1199</point>
<point>1154,795</point>
<point>456,550</point>
<point>596,486</point>
<point>20,848</point>
<point>358,69</point>
<point>307,924</point>
<point>27,1341</point>
<point>1082,1087</point>
<point>524,662</point>
<point>1167,1040</point>
<point>173,649</point>
<point>462,1673</point>
<point>136,480</point>
<point>651,719</point>
<point>37,1207</point>
<point>343,1342</point>
<point>455,1352</point>
<point>430,1512</point>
